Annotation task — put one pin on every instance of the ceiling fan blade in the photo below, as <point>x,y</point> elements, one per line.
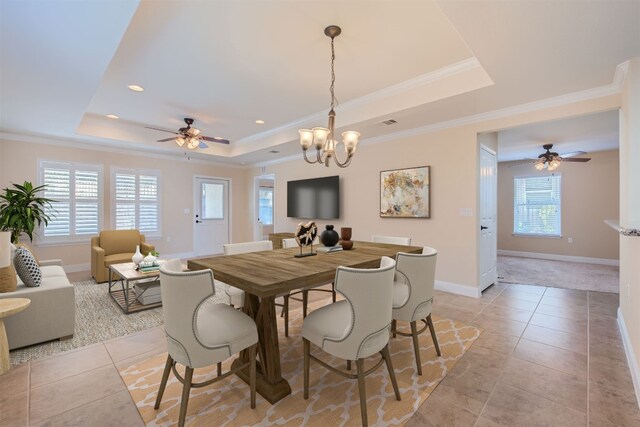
<point>526,162</point>
<point>220,141</point>
<point>577,159</point>
<point>165,140</point>
<point>572,154</point>
<point>162,130</point>
<point>203,145</point>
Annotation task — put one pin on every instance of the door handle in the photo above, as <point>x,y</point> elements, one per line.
<point>198,222</point>
<point>482,227</point>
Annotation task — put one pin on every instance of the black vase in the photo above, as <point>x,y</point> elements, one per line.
<point>329,237</point>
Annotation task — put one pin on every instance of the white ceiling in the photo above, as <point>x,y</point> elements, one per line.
<point>593,132</point>
<point>229,63</point>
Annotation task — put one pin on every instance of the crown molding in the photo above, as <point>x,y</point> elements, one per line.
<point>117,147</point>
<point>613,88</point>
<point>408,85</point>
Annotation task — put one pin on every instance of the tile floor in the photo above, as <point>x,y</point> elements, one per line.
<point>547,357</point>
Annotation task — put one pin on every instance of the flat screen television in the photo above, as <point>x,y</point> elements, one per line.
<point>317,198</point>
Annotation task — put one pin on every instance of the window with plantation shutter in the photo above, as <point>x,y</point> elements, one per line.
<point>536,206</point>
<point>76,212</point>
<point>136,200</point>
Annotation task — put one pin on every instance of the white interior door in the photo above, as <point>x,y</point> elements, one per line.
<point>264,202</point>
<point>488,218</point>
<point>211,215</point>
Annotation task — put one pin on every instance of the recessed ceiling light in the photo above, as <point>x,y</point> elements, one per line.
<point>274,151</point>
<point>136,88</point>
<point>259,122</point>
<point>112,116</point>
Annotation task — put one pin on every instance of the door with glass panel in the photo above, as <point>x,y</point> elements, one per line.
<point>211,215</point>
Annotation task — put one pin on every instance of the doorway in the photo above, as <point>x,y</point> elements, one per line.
<point>264,206</point>
<point>211,228</point>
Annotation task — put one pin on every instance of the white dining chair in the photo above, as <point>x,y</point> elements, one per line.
<point>201,330</point>
<point>356,327</point>
<point>237,295</point>
<point>291,243</point>
<point>413,296</point>
<point>391,240</point>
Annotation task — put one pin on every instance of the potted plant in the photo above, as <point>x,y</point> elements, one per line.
<point>22,210</point>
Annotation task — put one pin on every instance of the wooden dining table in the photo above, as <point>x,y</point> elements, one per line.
<point>267,274</point>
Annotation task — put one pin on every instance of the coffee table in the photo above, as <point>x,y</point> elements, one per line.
<point>8,307</point>
<point>126,275</point>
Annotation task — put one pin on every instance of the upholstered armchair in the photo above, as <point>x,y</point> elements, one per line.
<point>113,247</point>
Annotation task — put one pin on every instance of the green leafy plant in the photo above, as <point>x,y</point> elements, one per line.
<point>155,253</point>
<point>22,210</point>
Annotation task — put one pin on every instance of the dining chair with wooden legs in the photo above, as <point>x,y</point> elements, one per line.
<point>291,243</point>
<point>413,296</point>
<point>356,327</point>
<point>202,330</point>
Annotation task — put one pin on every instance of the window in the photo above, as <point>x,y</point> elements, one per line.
<point>136,200</point>
<point>265,205</point>
<point>536,205</point>
<point>76,212</point>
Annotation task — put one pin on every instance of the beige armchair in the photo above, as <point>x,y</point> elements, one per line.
<point>113,247</point>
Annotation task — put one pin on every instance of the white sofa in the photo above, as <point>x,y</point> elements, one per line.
<point>52,312</point>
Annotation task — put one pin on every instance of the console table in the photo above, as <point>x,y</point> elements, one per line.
<point>276,238</point>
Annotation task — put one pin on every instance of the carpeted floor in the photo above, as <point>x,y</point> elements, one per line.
<point>333,400</point>
<point>559,274</point>
<point>98,318</point>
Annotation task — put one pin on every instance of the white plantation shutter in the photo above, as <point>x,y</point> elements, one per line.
<point>136,202</point>
<point>536,205</point>
<point>76,190</point>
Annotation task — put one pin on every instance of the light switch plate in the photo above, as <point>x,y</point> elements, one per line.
<point>187,211</point>
<point>466,211</point>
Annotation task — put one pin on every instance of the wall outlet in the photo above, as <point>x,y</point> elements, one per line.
<point>570,239</point>
<point>168,238</point>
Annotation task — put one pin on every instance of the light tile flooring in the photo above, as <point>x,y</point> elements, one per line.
<point>547,357</point>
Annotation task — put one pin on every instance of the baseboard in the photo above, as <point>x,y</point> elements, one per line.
<point>554,257</point>
<point>631,359</point>
<point>455,288</point>
<point>75,268</point>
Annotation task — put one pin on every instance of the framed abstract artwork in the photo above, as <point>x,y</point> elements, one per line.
<point>405,193</point>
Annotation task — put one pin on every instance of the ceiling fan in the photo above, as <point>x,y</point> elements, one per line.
<point>550,160</point>
<point>190,136</point>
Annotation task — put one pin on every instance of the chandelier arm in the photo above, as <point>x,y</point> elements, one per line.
<point>346,161</point>
<point>304,154</point>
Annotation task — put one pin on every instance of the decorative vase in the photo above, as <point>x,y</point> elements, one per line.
<point>137,257</point>
<point>329,237</point>
<point>345,238</point>
<point>149,259</point>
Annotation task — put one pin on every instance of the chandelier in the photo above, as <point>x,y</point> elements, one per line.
<point>324,138</point>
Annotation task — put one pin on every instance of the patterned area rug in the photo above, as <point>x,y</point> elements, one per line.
<point>98,318</point>
<point>333,400</point>
<point>559,274</point>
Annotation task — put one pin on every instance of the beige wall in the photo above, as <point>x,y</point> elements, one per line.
<point>590,194</point>
<point>453,156</point>
<point>18,162</point>
<point>630,211</point>
<point>453,186</point>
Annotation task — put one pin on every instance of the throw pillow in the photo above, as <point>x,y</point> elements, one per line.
<point>27,267</point>
<point>27,247</point>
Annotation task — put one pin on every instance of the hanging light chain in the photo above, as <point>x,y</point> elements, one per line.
<point>333,76</point>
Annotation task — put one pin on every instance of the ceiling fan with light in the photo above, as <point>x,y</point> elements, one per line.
<point>551,160</point>
<point>190,137</point>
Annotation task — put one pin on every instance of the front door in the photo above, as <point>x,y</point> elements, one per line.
<point>488,218</point>
<point>211,215</point>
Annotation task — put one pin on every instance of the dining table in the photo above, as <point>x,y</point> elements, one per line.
<point>265,275</point>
